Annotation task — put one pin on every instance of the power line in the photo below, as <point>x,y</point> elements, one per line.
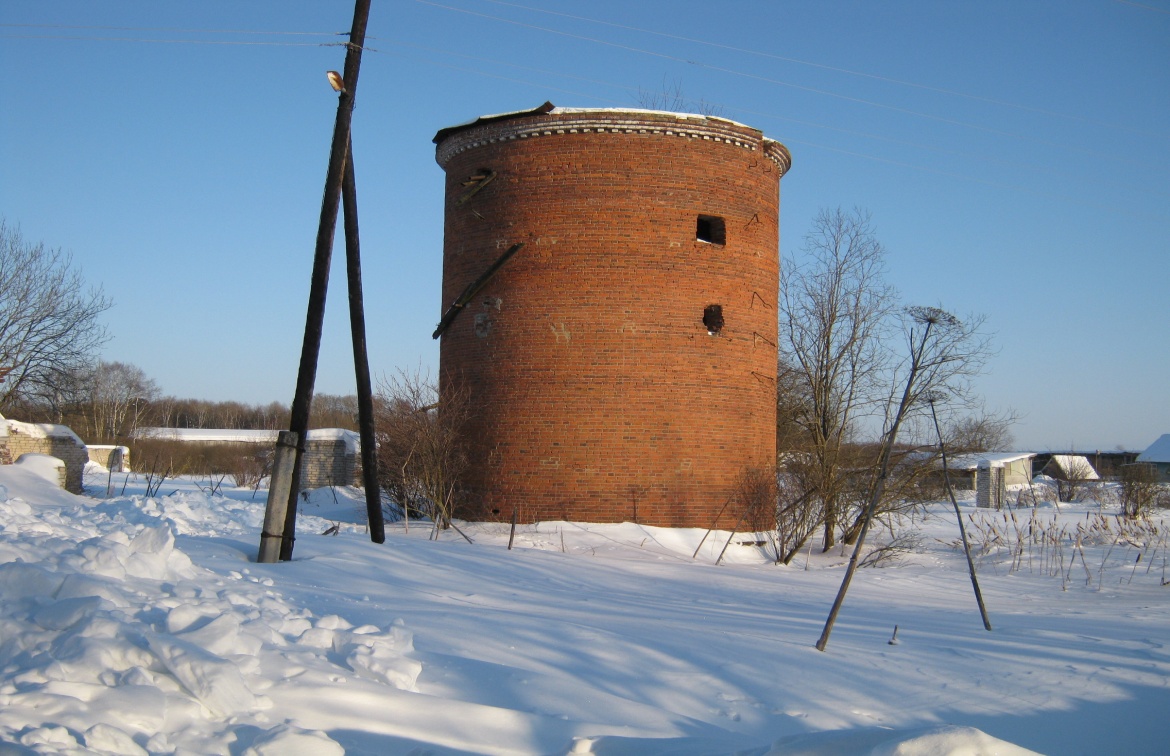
<point>171,41</point>
<point>501,77</point>
<point>171,29</point>
<point>983,157</point>
<point>1143,6</point>
<point>546,72</point>
<point>481,59</point>
<point>768,80</point>
<point>798,61</point>
<point>995,184</point>
<point>826,67</point>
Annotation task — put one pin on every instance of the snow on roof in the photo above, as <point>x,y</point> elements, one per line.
<point>548,107</point>
<point>444,133</point>
<point>646,111</point>
<point>352,439</point>
<point>235,436</point>
<point>42,430</point>
<point>211,435</point>
<point>1159,451</point>
<point>1074,464</point>
<point>971,460</point>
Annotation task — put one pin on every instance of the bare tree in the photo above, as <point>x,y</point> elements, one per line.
<point>48,321</point>
<point>421,453</point>
<point>798,515</point>
<point>117,396</point>
<point>1140,488</point>
<point>982,431</point>
<point>1072,473</point>
<point>834,307</point>
<point>944,355</point>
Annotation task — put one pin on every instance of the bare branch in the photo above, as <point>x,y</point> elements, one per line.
<point>48,320</point>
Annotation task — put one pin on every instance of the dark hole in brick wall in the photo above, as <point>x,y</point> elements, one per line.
<point>713,319</point>
<point>711,229</point>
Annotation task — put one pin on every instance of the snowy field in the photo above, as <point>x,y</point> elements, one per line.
<point>135,625</point>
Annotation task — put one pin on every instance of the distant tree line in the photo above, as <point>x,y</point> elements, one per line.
<point>105,402</point>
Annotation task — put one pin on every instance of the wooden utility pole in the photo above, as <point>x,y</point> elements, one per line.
<point>361,362</point>
<point>311,346</point>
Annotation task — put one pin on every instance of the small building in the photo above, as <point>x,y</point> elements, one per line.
<point>989,474</point>
<point>1071,467</point>
<point>1108,464</point>
<point>1074,475</point>
<point>1158,455</point>
<point>1015,467</point>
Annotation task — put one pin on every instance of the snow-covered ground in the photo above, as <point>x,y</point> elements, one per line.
<point>134,624</point>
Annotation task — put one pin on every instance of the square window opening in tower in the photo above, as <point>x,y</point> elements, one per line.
<point>711,229</point>
<point>713,319</point>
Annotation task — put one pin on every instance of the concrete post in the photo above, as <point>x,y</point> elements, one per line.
<point>983,489</point>
<point>278,489</point>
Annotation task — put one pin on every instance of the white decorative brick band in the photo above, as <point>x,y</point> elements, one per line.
<point>614,122</point>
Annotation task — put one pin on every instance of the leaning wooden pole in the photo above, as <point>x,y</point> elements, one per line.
<point>878,490</point>
<point>361,362</point>
<point>473,289</point>
<point>959,516</point>
<point>315,317</point>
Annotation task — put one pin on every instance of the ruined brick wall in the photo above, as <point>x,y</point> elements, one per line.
<point>328,462</point>
<point>54,440</point>
<point>114,458</point>
<point>622,365</point>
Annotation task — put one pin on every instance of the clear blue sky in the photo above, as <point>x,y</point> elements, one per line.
<point>1013,154</point>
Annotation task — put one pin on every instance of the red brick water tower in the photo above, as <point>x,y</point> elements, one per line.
<point>621,363</point>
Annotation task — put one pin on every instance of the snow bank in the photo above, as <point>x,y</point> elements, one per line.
<point>112,640</point>
<point>140,624</point>
<point>947,740</point>
<point>44,466</point>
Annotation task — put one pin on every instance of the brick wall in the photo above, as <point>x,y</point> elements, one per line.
<point>114,458</point>
<point>55,440</point>
<point>598,393</point>
<point>328,462</point>
<point>990,491</point>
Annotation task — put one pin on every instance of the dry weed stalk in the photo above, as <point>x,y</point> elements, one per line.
<point>1044,545</point>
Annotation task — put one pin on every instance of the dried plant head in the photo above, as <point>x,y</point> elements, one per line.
<point>933,316</point>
